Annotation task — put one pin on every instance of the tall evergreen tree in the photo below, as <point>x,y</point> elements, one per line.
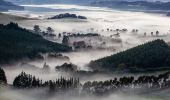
<point>2,76</point>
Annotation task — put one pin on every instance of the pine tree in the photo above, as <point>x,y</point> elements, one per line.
<point>2,76</point>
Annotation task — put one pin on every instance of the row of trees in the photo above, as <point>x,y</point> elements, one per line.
<point>37,29</point>
<point>152,33</point>
<point>63,84</point>
<point>143,82</point>
<point>152,82</point>
<point>160,81</point>
<point>48,33</point>
<point>24,80</point>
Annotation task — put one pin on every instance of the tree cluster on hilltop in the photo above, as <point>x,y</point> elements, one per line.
<point>67,15</point>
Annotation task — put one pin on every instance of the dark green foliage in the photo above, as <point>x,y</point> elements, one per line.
<point>17,43</point>
<point>152,55</point>
<point>2,76</point>
<point>26,81</point>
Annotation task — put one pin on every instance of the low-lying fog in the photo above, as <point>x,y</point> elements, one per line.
<point>99,19</point>
<point>37,95</point>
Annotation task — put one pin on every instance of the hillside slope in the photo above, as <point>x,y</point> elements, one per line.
<point>17,43</point>
<point>151,56</point>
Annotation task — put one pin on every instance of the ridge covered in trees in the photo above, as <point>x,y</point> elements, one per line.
<point>151,56</point>
<point>17,43</point>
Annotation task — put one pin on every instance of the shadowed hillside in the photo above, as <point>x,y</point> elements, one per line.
<point>151,56</point>
<point>17,43</point>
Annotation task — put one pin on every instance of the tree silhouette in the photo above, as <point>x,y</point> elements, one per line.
<point>3,79</point>
<point>50,30</point>
<point>65,40</point>
<point>37,29</point>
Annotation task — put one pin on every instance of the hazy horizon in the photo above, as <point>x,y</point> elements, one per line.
<point>72,1</point>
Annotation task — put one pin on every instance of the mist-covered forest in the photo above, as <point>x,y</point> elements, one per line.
<point>84,50</point>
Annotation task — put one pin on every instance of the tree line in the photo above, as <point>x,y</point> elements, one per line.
<point>152,82</point>
<point>63,85</point>
<point>27,81</point>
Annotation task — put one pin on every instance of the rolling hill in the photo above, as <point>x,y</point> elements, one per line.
<point>17,43</point>
<point>151,56</point>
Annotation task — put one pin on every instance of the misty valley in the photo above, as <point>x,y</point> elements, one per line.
<point>84,50</point>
